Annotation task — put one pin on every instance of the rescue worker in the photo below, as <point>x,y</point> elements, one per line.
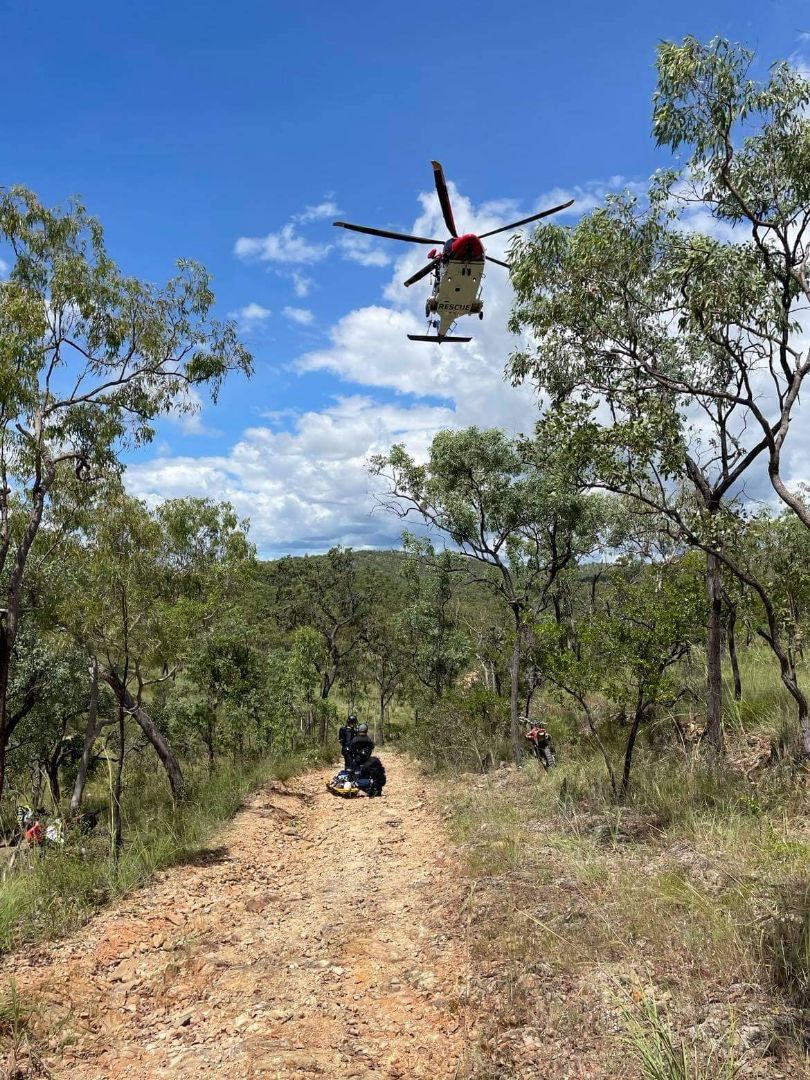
<point>361,747</point>
<point>368,771</point>
<point>345,735</point>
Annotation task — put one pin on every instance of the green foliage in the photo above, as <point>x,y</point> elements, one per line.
<point>466,730</point>
<point>430,622</point>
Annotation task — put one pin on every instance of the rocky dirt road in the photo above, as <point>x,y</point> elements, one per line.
<point>316,937</point>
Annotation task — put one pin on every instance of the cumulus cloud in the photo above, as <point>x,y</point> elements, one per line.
<point>325,209</point>
<point>302,316</point>
<point>302,285</point>
<point>284,246</point>
<point>189,417</point>
<point>251,314</point>
<point>360,249</point>
<point>306,488</point>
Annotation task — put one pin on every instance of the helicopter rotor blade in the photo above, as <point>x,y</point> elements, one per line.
<point>506,266</point>
<point>526,220</point>
<point>423,272</point>
<point>384,232</point>
<point>444,197</point>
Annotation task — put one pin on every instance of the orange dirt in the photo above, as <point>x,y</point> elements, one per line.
<point>315,937</point>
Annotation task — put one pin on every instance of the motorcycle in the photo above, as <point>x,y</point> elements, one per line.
<point>540,745</point>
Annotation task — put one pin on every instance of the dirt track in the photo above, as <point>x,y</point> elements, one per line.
<point>316,937</point>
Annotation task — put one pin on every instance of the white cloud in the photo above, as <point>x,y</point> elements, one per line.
<point>302,316</point>
<point>360,249</point>
<point>325,209</point>
<point>284,246</point>
<point>301,284</point>
<point>190,419</point>
<point>4,268</point>
<point>251,314</point>
<point>307,488</point>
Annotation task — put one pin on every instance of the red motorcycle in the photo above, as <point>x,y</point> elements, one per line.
<point>540,745</point>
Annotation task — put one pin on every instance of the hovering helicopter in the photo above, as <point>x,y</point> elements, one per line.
<point>457,265</point>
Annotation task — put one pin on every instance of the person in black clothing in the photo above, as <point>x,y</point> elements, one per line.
<point>368,770</point>
<point>361,747</point>
<point>345,735</point>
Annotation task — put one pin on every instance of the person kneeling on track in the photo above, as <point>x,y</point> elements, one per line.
<point>368,770</point>
<point>374,773</point>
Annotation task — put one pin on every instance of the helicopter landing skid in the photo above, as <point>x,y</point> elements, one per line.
<point>433,337</point>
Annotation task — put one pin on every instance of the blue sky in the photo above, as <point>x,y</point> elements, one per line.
<point>187,128</point>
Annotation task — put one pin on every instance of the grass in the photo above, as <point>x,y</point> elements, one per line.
<point>698,889</point>
<point>708,901</point>
<point>663,1055</point>
<point>53,890</point>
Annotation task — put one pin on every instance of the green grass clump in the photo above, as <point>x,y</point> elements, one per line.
<point>663,1055</point>
<point>786,942</point>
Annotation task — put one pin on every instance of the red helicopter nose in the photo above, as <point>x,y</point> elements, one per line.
<point>467,248</point>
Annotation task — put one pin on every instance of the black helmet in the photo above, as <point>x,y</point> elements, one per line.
<point>362,729</point>
<point>352,719</point>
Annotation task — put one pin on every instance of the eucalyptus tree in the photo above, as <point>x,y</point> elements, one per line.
<point>147,585</point>
<point>89,358</point>
<point>48,693</point>
<point>223,683</point>
<point>626,650</point>
<point>779,548</point>
<point>329,595</point>
<point>744,293</point>
<point>651,619</point>
<point>385,650</point>
<point>434,640</point>
<point>523,524</point>
<point>691,340</point>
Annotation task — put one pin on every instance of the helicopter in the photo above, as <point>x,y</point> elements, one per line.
<point>457,265</point>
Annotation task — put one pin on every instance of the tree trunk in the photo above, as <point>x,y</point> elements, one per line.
<point>714,655</point>
<point>326,685</point>
<point>379,734</point>
<point>514,703</point>
<point>117,824</point>
<point>731,641</point>
<point>580,698</point>
<point>52,775</point>
<point>45,473</point>
<point>628,753</point>
<point>773,638</point>
<point>209,739</point>
<point>5,734</point>
<point>162,748</point>
<point>90,736</point>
